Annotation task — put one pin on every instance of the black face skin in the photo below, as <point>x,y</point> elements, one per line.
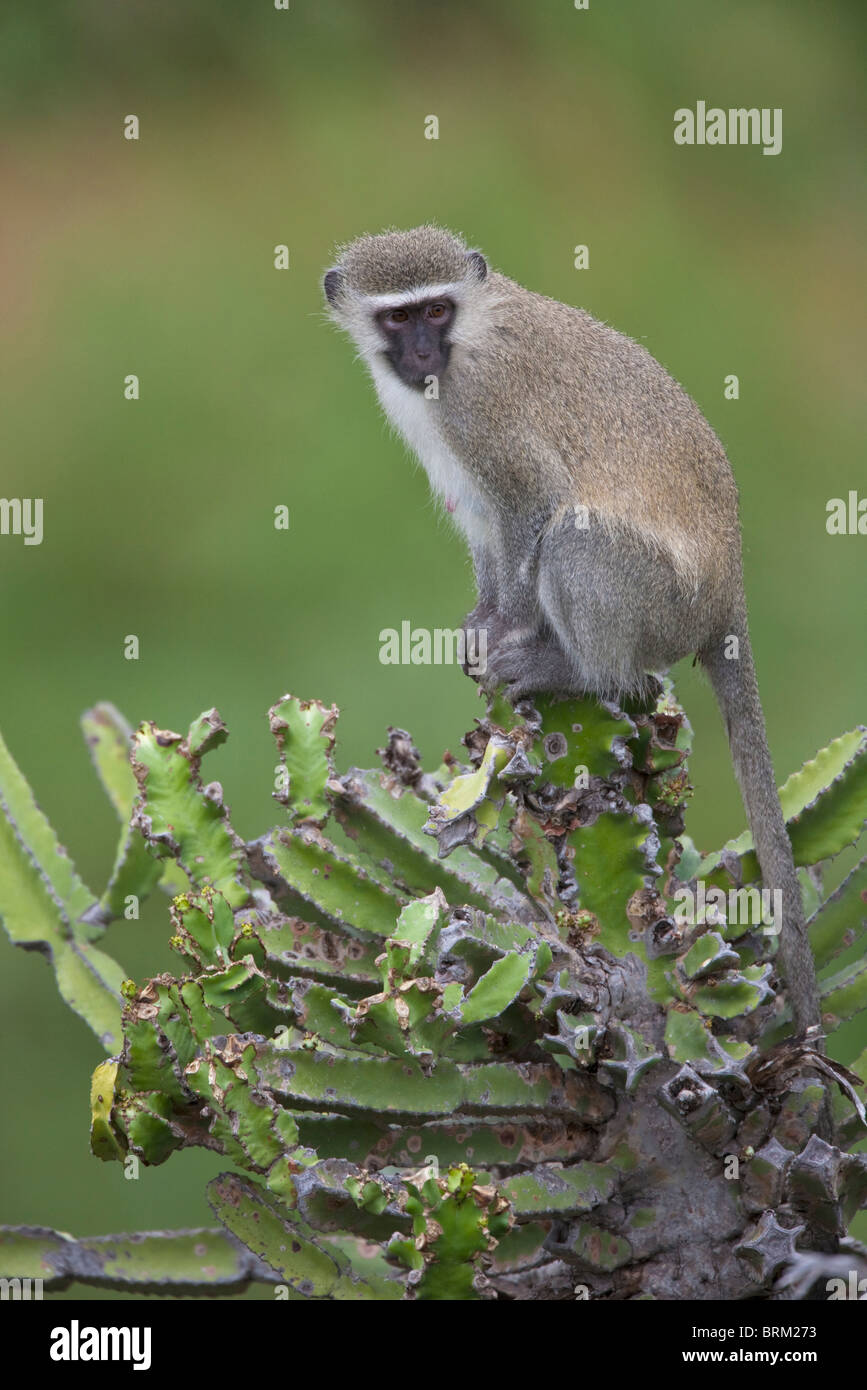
<point>416,339</point>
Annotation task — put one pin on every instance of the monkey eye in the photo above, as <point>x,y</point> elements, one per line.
<point>398,316</point>
<point>437,311</point>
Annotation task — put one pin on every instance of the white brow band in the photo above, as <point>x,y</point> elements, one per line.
<point>414,296</point>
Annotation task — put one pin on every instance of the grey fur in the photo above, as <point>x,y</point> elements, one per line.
<point>375,264</point>
<point>599,505</point>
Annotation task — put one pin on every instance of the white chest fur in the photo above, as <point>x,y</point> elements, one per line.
<point>415,418</point>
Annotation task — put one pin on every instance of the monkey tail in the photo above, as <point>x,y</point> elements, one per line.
<point>734,682</point>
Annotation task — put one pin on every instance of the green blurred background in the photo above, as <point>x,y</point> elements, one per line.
<point>306,127</point>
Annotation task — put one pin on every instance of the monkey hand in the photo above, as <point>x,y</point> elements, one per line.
<point>482,616</point>
<point>528,662</point>
<point>483,630</point>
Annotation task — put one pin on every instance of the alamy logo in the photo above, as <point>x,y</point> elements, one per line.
<point>20,1289</point>
<point>739,125</point>
<point>76,1343</point>
<point>22,516</point>
<point>847,520</point>
<point>444,646</point>
<point>746,907</point>
<point>855,1288</point>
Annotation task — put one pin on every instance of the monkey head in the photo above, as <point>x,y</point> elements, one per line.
<point>400,296</point>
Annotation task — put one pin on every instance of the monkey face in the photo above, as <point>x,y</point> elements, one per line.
<point>416,338</point>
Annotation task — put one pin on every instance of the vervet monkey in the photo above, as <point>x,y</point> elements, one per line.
<point>598,503</point>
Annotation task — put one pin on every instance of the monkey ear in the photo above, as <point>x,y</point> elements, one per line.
<point>477,263</point>
<point>333,284</point>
